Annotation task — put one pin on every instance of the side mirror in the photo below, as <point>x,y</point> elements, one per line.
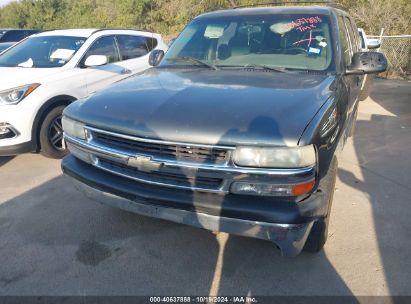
<point>96,60</point>
<point>155,57</point>
<point>373,44</point>
<point>367,63</point>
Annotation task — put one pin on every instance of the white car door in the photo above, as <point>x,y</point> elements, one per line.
<point>134,52</point>
<point>98,78</point>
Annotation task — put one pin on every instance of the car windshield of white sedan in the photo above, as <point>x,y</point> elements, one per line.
<point>42,52</point>
<point>288,41</point>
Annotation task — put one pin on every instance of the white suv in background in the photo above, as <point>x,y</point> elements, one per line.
<point>45,72</point>
<point>367,44</point>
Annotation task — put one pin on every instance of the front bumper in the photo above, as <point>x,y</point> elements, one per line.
<point>285,223</point>
<point>20,118</point>
<point>290,238</point>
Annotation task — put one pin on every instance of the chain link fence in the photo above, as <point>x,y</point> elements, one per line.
<point>397,49</point>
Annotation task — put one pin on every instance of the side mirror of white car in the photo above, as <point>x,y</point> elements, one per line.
<point>96,60</point>
<point>373,44</point>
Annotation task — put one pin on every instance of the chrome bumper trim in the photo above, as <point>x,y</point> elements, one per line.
<point>158,141</point>
<point>227,173</point>
<point>221,189</point>
<point>123,157</point>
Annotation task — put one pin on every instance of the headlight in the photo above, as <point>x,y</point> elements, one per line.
<point>278,157</point>
<point>14,96</point>
<point>73,128</point>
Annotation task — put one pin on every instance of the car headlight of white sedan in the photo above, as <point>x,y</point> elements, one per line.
<point>15,95</point>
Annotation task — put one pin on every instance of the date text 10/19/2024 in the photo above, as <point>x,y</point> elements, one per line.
<point>207,299</point>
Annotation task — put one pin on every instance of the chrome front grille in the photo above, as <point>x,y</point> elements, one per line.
<point>170,164</point>
<point>187,166</point>
<point>165,178</point>
<point>169,151</point>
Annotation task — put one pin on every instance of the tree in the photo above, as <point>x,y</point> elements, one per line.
<point>170,16</point>
<point>392,15</point>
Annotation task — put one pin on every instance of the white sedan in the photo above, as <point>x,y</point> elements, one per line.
<point>45,72</point>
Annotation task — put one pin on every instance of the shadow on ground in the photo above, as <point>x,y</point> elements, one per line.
<point>53,241</point>
<point>382,144</point>
<point>5,159</point>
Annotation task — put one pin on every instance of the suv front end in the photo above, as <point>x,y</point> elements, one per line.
<point>218,188</point>
<point>234,131</point>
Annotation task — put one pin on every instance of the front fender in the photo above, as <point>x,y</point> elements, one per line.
<point>327,145</point>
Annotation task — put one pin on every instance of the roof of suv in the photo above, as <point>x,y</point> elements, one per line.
<point>71,32</point>
<point>324,10</point>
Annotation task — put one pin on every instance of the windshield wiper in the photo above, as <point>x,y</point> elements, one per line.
<point>265,67</point>
<point>306,70</point>
<point>255,66</point>
<point>194,60</point>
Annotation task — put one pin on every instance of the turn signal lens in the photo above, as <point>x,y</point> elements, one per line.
<point>301,189</point>
<point>79,153</point>
<point>266,189</point>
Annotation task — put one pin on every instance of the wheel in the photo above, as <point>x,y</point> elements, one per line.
<point>52,143</point>
<point>319,233</point>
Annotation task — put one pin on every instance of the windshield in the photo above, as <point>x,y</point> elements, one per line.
<point>4,46</point>
<point>42,52</point>
<point>290,41</point>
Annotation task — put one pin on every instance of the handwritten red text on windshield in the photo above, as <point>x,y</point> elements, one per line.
<point>305,24</point>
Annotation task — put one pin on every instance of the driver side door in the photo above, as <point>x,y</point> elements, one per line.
<point>352,82</point>
<point>100,77</point>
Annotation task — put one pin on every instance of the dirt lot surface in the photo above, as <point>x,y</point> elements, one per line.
<point>53,241</point>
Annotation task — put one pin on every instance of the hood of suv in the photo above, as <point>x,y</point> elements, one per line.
<point>210,107</point>
<point>12,77</point>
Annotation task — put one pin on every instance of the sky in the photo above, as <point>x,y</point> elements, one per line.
<point>3,2</point>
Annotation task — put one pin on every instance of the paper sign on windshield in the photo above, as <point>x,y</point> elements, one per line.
<point>64,54</point>
<point>214,31</point>
<point>26,64</point>
<point>281,28</point>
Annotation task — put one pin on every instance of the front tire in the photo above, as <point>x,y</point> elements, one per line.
<point>319,233</point>
<point>52,143</point>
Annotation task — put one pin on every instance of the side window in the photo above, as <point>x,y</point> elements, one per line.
<point>352,35</point>
<point>13,36</point>
<point>135,46</point>
<point>345,44</point>
<point>151,43</point>
<point>105,46</point>
<point>356,35</point>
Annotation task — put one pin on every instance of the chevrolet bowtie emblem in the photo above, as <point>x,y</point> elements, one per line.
<point>144,163</point>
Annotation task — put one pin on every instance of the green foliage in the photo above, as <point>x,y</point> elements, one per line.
<point>169,16</point>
